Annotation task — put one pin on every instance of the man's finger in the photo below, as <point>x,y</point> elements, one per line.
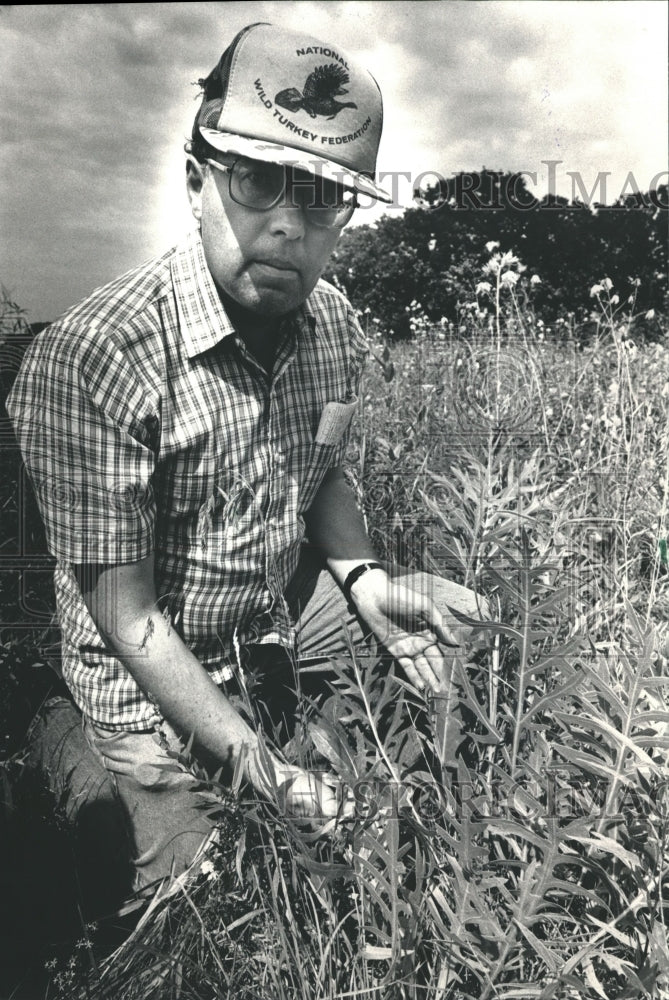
<point>412,674</point>
<point>435,657</point>
<point>444,634</point>
<point>434,621</point>
<point>427,672</point>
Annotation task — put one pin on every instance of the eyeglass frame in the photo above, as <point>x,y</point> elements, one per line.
<point>229,168</point>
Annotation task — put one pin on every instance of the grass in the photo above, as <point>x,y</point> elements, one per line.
<point>511,840</point>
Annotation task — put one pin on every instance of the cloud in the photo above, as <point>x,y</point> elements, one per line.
<point>97,100</point>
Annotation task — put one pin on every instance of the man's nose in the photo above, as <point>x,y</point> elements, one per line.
<point>288,220</point>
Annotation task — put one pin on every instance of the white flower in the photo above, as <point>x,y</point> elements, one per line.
<point>615,299</point>
<point>650,314</point>
<point>608,284</point>
<point>596,290</point>
<point>483,287</point>
<point>432,244</point>
<point>509,278</point>
<point>491,245</point>
<point>535,280</point>
<point>207,868</point>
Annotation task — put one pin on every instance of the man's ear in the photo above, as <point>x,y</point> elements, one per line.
<point>194,185</point>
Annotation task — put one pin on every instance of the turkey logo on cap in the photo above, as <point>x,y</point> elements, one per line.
<point>321,87</point>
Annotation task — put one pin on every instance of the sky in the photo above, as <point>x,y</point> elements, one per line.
<point>96,101</point>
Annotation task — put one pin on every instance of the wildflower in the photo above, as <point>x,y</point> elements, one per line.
<point>432,245</point>
<point>650,314</point>
<point>367,311</point>
<point>509,278</point>
<point>207,868</point>
<point>491,245</point>
<point>596,290</point>
<point>535,280</point>
<point>636,282</point>
<point>608,284</point>
<point>615,299</point>
<point>483,287</point>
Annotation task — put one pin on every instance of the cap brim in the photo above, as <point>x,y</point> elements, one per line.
<point>300,159</point>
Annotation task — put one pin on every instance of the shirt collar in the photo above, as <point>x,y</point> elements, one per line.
<point>202,317</point>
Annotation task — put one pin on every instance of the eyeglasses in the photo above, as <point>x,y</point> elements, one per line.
<point>261,186</point>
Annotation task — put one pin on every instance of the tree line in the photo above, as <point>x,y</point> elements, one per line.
<point>434,253</point>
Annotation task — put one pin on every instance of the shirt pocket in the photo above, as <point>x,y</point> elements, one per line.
<point>326,449</point>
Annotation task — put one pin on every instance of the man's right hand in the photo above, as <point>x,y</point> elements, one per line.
<point>307,795</point>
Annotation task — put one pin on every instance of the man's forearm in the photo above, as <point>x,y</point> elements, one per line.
<point>336,526</point>
<point>123,605</point>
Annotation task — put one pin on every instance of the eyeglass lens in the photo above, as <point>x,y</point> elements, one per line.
<point>261,185</point>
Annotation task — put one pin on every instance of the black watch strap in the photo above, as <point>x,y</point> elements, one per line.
<point>356,573</point>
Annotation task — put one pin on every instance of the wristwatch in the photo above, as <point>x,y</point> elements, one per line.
<point>355,574</point>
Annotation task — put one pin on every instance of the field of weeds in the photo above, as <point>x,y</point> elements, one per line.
<point>511,840</point>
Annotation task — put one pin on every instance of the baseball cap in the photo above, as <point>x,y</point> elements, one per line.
<point>288,98</point>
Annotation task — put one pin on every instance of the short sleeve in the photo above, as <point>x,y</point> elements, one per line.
<point>358,352</point>
<point>88,429</point>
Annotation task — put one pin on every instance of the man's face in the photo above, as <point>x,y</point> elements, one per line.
<point>266,261</point>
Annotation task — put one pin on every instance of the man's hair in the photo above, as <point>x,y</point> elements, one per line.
<point>211,88</point>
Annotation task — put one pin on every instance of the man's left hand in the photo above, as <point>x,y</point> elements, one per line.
<point>407,625</point>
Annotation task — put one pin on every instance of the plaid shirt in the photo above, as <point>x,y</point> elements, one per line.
<point>146,425</point>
